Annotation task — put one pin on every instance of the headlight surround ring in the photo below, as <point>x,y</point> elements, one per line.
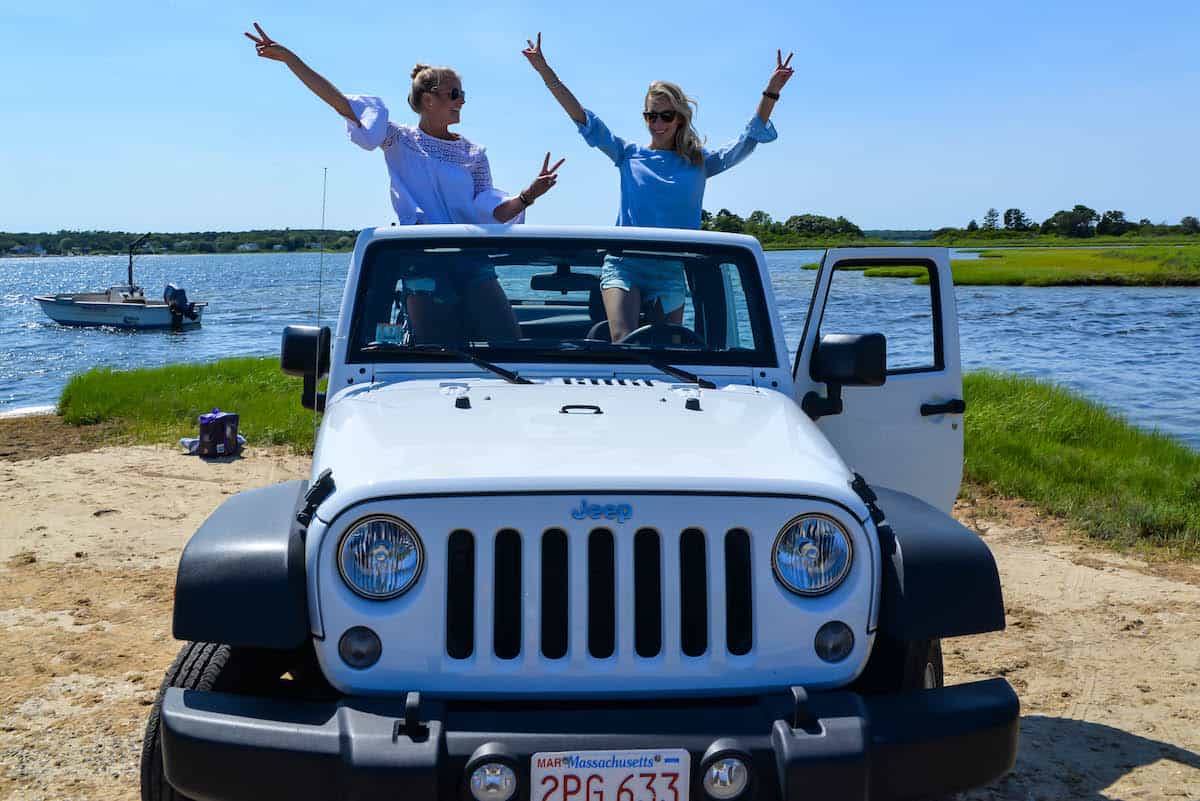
<point>823,529</point>
<point>380,538</point>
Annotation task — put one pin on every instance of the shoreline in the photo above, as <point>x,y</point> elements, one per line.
<point>28,411</point>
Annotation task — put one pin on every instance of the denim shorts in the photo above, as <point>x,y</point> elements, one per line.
<point>659,280</point>
<point>448,283</point>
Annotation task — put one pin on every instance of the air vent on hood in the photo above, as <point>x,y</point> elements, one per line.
<point>606,382</point>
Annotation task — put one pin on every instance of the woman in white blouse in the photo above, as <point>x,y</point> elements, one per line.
<point>436,177</point>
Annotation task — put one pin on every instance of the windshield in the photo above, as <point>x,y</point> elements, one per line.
<point>560,300</point>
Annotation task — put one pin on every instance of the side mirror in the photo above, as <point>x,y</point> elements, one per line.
<point>851,360</point>
<point>845,360</point>
<point>304,352</point>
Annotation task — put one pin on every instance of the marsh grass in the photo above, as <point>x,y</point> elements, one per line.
<point>1073,458</point>
<point>161,404</point>
<point>1141,266</point>
<point>979,242</point>
<point>1176,265</point>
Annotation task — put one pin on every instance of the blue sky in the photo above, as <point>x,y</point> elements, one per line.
<point>159,116</point>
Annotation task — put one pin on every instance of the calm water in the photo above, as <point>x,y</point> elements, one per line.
<point>1136,350</point>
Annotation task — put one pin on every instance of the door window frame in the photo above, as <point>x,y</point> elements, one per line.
<point>935,297</point>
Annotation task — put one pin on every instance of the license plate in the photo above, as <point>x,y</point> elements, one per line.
<point>641,775</point>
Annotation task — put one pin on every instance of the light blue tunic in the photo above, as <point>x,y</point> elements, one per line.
<point>660,188</point>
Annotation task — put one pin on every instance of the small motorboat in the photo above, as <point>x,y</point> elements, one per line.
<point>124,306</point>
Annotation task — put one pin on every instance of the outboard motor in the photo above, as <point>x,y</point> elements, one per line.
<point>176,299</point>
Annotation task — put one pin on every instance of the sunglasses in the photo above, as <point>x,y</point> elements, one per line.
<point>665,116</point>
<point>453,94</point>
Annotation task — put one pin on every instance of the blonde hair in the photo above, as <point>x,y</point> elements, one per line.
<point>687,142</point>
<point>426,79</point>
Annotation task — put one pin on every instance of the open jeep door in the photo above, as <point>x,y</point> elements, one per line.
<point>905,434</point>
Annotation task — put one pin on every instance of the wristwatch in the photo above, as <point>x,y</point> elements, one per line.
<point>770,94</point>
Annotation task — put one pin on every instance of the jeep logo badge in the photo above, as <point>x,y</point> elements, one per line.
<point>608,511</point>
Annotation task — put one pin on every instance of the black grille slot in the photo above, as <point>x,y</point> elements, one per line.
<point>647,593</point>
<point>739,614</point>
<point>554,594</point>
<point>507,630</point>
<point>460,594</point>
<point>602,613</point>
<point>693,593</point>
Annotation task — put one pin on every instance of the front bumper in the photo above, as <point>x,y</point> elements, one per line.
<point>833,746</point>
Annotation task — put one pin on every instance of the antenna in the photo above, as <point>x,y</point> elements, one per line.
<point>321,263</point>
<point>320,283</point>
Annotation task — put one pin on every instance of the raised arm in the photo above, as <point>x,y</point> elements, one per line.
<point>545,181</point>
<point>557,88</point>
<point>321,87</point>
<point>774,86</point>
<point>759,129</point>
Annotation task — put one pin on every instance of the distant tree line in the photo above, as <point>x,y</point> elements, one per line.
<point>1077,223</point>
<point>109,242</point>
<point>1080,222</point>
<point>798,226</point>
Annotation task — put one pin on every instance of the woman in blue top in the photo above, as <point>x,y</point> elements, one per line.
<point>662,184</point>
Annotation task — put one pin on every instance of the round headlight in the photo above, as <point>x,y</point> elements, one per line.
<point>811,555</point>
<point>380,557</point>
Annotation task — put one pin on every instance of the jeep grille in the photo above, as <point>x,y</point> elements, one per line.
<point>690,609</point>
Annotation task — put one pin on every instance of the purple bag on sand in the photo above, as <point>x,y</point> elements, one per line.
<point>218,433</point>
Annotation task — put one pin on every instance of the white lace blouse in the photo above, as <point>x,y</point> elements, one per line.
<point>433,180</point>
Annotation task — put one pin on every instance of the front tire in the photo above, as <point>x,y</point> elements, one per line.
<point>199,666</point>
<point>899,666</point>
<point>923,669</point>
<point>215,667</point>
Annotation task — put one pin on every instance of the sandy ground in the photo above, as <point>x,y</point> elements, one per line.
<point>1104,650</point>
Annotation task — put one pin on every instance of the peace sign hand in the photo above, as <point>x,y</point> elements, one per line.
<point>546,178</point>
<point>782,72</point>
<point>268,47</point>
<point>535,55</point>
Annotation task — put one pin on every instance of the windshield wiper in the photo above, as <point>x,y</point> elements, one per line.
<point>442,350</point>
<point>645,358</point>
<point>671,369</point>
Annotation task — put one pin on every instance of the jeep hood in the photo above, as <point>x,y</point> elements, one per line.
<point>421,437</point>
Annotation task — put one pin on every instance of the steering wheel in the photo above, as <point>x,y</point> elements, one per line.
<point>662,334</point>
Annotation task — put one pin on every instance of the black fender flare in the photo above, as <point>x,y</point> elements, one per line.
<point>939,578</point>
<point>241,578</point>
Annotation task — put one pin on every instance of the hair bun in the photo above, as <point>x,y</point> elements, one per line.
<point>418,69</point>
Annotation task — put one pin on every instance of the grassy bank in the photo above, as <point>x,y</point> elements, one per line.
<point>980,243</point>
<point>1024,438</point>
<point>1073,458</point>
<point>1142,266</point>
<point>161,404</point>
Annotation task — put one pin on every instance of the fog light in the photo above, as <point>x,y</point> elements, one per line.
<point>834,641</point>
<point>726,778</point>
<point>360,647</point>
<point>493,781</point>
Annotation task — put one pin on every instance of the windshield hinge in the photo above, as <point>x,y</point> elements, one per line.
<point>321,489</point>
<point>863,490</point>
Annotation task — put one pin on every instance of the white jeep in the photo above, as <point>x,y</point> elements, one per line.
<point>554,567</point>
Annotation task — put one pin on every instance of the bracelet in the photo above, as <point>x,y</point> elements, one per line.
<point>772,95</point>
<point>552,85</point>
<point>528,201</point>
